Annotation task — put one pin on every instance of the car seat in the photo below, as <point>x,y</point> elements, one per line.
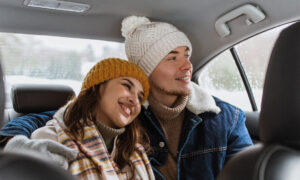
<point>15,166</point>
<point>277,157</point>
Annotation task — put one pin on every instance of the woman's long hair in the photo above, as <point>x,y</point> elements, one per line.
<point>80,110</point>
<point>83,108</point>
<point>126,142</point>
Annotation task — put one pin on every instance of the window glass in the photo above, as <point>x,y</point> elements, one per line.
<point>221,78</point>
<point>51,60</point>
<point>255,54</point>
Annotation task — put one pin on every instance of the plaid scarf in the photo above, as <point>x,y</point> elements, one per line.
<point>94,162</point>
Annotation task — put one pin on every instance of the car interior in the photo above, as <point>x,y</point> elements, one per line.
<point>28,166</point>
<point>277,155</point>
<point>213,26</point>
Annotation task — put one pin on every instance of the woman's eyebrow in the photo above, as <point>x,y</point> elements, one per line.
<point>130,82</point>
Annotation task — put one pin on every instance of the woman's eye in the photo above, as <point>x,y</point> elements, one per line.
<point>127,86</point>
<point>187,56</point>
<point>140,98</point>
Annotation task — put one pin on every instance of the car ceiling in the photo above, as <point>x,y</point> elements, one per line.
<point>195,17</point>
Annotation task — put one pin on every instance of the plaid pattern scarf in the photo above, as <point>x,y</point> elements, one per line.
<point>94,162</point>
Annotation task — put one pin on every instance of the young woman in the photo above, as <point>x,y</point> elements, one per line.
<point>99,124</point>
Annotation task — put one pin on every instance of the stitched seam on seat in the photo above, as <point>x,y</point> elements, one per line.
<point>204,152</point>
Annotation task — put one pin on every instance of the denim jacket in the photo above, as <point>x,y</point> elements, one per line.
<point>208,139</point>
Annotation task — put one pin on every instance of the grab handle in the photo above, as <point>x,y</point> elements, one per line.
<point>254,15</point>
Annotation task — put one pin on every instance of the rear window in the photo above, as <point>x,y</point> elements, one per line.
<point>39,59</point>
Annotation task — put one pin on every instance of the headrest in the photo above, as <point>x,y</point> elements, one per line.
<point>35,98</point>
<point>280,114</point>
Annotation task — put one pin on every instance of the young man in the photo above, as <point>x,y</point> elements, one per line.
<point>192,134</point>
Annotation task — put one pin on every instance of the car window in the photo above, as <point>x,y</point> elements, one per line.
<point>255,54</point>
<point>222,79</point>
<point>50,59</point>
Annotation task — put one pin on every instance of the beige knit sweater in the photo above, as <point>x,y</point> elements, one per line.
<point>171,120</point>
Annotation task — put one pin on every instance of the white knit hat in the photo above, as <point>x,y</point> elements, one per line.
<point>147,43</point>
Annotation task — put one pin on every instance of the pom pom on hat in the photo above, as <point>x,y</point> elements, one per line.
<point>130,23</point>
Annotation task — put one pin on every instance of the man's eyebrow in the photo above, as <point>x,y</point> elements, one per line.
<point>176,52</point>
<point>173,52</point>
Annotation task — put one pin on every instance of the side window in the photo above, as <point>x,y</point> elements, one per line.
<point>37,59</point>
<point>255,54</point>
<point>221,77</point>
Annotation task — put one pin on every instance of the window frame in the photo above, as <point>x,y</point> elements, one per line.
<point>242,73</point>
<point>244,77</point>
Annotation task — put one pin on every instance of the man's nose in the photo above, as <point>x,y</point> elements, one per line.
<point>187,65</point>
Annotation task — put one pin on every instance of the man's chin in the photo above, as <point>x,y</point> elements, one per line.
<point>184,91</point>
<point>174,92</point>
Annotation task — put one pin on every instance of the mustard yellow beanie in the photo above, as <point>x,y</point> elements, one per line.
<point>111,68</point>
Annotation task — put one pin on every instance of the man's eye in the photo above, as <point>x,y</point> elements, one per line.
<point>187,56</point>
<point>172,58</point>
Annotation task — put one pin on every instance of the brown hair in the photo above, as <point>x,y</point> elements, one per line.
<point>83,108</point>
<point>80,110</point>
<point>126,142</point>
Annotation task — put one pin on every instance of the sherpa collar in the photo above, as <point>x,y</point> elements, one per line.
<point>199,101</point>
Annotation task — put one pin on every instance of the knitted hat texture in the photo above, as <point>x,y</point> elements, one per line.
<point>111,68</point>
<point>147,43</point>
